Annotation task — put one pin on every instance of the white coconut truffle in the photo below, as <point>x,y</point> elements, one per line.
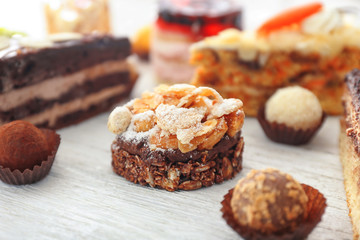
<point>119,120</point>
<point>295,107</point>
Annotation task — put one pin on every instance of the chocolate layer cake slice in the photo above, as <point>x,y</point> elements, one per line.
<point>350,148</point>
<point>315,52</point>
<point>59,82</point>
<point>178,137</point>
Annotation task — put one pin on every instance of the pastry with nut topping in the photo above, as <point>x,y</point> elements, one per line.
<point>178,137</point>
<point>269,204</point>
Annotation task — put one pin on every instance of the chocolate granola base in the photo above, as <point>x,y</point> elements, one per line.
<point>170,172</point>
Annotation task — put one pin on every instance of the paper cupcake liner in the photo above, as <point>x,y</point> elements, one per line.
<point>28,176</point>
<point>284,134</point>
<point>315,209</point>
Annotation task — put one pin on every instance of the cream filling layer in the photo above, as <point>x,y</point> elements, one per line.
<point>59,110</point>
<point>55,87</point>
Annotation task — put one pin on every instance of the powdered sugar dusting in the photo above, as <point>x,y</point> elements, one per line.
<point>226,107</point>
<point>130,104</point>
<point>145,116</point>
<point>132,136</point>
<point>181,117</point>
<point>186,135</point>
<point>172,118</point>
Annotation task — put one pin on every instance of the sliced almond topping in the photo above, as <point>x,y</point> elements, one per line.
<point>215,136</point>
<point>235,122</point>
<point>145,121</point>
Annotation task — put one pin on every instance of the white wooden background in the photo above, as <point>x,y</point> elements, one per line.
<point>82,198</point>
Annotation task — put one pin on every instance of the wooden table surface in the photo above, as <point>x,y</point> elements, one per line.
<point>82,198</point>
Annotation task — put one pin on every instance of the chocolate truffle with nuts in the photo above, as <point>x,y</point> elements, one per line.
<point>292,115</point>
<point>268,204</point>
<point>178,137</point>
<point>269,201</point>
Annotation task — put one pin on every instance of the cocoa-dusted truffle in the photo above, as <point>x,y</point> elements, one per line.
<point>22,146</point>
<point>269,201</point>
<point>26,152</point>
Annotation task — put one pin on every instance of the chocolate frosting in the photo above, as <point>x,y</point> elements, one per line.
<point>142,149</point>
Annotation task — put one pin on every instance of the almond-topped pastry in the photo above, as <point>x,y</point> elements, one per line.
<point>178,137</point>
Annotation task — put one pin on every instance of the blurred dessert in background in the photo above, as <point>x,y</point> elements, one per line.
<point>81,16</point>
<point>141,42</point>
<point>311,46</point>
<point>181,23</point>
<point>63,79</point>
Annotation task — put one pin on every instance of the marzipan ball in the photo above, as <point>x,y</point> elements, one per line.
<point>269,201</point>
<point>22,146</point>
<point>295,107</point>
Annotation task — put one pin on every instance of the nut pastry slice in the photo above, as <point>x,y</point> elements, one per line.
<point>178,137</point>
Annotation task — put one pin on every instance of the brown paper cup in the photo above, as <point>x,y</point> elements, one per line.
<point>28,176</point>
<point>283,134</point>
<point>315,209</point>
